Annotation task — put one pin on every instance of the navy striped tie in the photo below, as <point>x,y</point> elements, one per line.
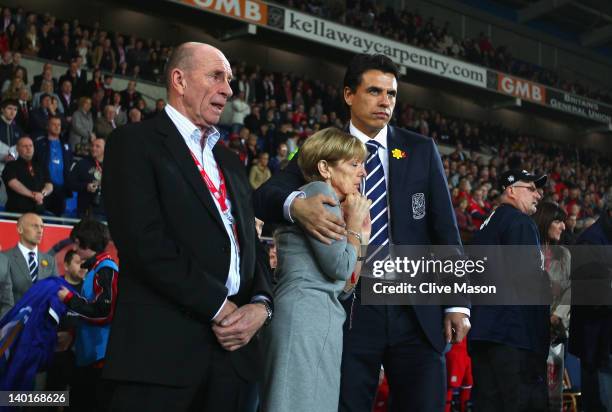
<point>33,266</point>
<point>376,190</point>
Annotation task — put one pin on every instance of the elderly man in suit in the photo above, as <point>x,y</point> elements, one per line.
<point>405,175</point>
<point>26,263</point>
<point>195,285</point>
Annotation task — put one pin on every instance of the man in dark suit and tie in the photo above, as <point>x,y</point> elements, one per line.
<point>405,174</point>
<point>195,285</point>
<point>26,264</point>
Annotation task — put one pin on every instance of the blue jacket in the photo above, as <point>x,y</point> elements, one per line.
<point>30,332</point>
<point>519,326</point>
<point>91,340</point>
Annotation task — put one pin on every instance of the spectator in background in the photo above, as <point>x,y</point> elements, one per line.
<point>82,130</point>
<point>85,178</point>
<point>240,109</point>
<point>76,79</point>
<point>134,116</point>
<point>10,131</point>
<point>509,345</point>
<point>56,157</point>
<point>281,156</point>
<point>95,306</point>
<point>46,87</point>
<point>159,107</point>
<point>478,208</point>
<point>63,51</point>
<point>16,63</point>
<point>129,97</point>
<point>260,172</point>
<point>31,44</point>
<point>120,112</point>
<point>106,124</point>
<point>568,237</point>
<point>40,116</point>
<point>46,74</point>
<point>60,374</point>
<point>95,83</point>
<point>557,262</point>
<point>104,57</point>
<point>107,86</point>
<point>464,219</point>
<point>27,183</point>
<point>67,99</point>
<point>24,109</point>
<point>26,263</point>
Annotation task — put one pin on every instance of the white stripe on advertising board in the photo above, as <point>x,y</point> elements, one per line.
<point>339,36</point>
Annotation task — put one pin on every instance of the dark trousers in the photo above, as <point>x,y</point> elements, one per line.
<point>86,390</point>
<point>56,201</point>
<point>508,379</point>
<point>390,336</point>
<point>590,388</point>
<point>220,390</point>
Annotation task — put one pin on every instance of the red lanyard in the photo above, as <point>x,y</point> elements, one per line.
<point>219,194</point>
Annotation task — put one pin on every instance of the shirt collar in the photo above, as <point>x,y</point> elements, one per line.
<point>188,130</point>
<point>25,251</point>
<point>381,137</point>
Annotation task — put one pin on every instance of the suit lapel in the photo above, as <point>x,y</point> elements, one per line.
<point>179,150</point>
<point>233,187</point>
<point>398,167</point>
<point>21,263</point>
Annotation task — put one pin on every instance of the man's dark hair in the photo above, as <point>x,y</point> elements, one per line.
<point>361,63</point>
<point>91,234</point>
<point>9,102</point>
<point>53,117</point>
<point>69,256</point>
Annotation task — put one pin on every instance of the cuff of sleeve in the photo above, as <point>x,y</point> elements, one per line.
<point>287,204</point>
<point>68,297</point>
<point>220,309</point>
<point>458,309</point>
<point>260,297</point>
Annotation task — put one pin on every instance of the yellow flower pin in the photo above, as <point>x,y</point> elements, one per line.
<point>44,263</point>
<point>398,154</point>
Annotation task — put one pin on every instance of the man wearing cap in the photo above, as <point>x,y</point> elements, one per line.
<point>509,344</point>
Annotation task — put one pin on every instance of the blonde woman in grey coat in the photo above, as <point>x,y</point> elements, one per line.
<point>303,345</point>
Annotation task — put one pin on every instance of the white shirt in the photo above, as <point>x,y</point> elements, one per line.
<point>26,253</point>
<point>192,136</point>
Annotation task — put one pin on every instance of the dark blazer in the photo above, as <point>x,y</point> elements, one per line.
<point>591,325</point>
<point>421,171</point>
<point>42,151</point>
<point>175,256</point>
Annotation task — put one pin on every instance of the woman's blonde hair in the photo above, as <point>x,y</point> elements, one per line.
<point>332,145</point>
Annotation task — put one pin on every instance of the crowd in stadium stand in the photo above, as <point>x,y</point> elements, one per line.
<point>268,118</point>
<point>410,27</point>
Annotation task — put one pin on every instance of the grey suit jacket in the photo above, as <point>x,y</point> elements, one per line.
<point>20,274</point>
<point>6,287</point>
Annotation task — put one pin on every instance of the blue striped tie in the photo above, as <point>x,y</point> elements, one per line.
<point>33,266</point>
<point>376,190</point>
